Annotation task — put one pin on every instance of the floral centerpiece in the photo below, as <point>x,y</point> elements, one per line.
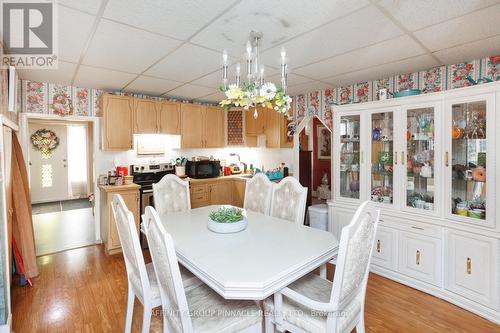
<point>227,219</point>
<point>249,95</point>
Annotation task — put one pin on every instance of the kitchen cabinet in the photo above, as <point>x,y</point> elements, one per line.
<point>202,126</point>
<point>145,116</point>
<point>255,126</point>
<point>239,186</point>
<point>429,162</point>
<point>217,191</point>
<point>220,193</point>
<point>109,232</point>
<point>276,129</point>
<point>169,117</point>
<point>213,131</point>
<point>117,122</point>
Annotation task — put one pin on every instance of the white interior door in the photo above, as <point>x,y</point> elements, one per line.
<point>49,172</point>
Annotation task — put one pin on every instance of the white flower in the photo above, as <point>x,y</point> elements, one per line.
<point>268,90</point>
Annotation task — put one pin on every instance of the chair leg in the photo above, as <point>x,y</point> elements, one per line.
<point>146,317</point>
<point>130,311</point>
<point>360,326</point>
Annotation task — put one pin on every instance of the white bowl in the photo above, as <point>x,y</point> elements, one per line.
<point>227,228</point>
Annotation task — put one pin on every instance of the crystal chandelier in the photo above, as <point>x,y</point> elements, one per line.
<point>255,91</point>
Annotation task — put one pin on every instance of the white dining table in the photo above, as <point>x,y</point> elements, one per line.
<point>252,264</point>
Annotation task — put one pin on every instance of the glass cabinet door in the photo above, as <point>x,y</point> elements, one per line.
<point>349,156</point>
<point>420,163</point>
<point>382,152</point>
<point>468,160</point>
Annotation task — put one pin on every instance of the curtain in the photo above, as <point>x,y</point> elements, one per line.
<point>22,227</point>
<point>77,161</point>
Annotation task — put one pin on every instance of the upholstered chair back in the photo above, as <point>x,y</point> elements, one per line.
<point>129,239</point>
<point>171,194</point>
<point>168,275</point>
<point>289,200</point>
<point>258,193</point>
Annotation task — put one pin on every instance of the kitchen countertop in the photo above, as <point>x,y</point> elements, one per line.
<point>115,188</point>
<point>207,180</point>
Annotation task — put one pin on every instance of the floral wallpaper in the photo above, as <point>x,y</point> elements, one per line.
<point>431,80</point>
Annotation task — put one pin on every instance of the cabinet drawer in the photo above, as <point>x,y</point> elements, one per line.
<point>470,269</point>
<point>384,253</point>
<point>420,257</point>
<point>198,189</point>
<point>199,197</point>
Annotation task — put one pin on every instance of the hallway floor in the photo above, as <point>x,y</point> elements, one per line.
<point>63,230</point>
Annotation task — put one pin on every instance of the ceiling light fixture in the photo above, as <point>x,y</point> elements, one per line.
<point>255,91</point>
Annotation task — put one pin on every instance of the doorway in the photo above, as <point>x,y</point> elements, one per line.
<point>60,172</point>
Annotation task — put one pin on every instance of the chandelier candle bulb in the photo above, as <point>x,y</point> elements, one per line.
<point>238,73</point>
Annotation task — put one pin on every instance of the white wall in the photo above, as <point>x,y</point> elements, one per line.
<point>258,156</point>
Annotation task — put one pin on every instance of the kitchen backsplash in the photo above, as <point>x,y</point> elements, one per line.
<point>432,80</point>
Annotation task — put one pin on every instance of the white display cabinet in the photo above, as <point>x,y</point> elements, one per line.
<point>429,163</point>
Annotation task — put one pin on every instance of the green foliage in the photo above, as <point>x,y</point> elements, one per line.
<point>226,215</point>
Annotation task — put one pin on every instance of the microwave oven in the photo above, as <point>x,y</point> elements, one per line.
<point>203,169</point>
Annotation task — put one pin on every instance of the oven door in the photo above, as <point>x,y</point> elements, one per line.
<point>147,199</point>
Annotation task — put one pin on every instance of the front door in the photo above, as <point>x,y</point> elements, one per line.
<point>49,170</point>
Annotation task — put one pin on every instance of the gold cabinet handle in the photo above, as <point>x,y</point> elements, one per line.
<point>378,245</point>
<point>417,257</point>
<point>446,163</point>
<point>402,158</point>
<point>395,158</point>
<point>469,265</point>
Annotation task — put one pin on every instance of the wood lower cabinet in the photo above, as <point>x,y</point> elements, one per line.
<point>145,116</point>
<point>217,191</point>
<point>109,232</point>
<point>117,117</point>
<point>169,117</point>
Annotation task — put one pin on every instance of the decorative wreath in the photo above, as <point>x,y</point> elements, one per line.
<point>45,141</point>
<point>62,104</point>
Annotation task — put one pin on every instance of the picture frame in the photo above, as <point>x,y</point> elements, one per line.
<point>324,143</point>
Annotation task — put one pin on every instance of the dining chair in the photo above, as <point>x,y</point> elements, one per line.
<point>141,278</point>
<point>199,309</point>
<point>313,304</point>
<point>289,200</point>
<point>258,193</point>
<point>171,194</point>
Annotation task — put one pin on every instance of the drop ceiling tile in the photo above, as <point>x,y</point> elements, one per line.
<point>89,6</point>
<point>179,19</point>
<point>121,47</point>
<point>151,85</point>
<point>474,50</point>
<point>62,75</point>
<point>388,51</point>
<point>307,87</point>
<point>74,30</point>
<point>362,28</point>
<point>191,91</point>
<point>293,79</point>
<point>99,78</point>
<point>187,63</point>
<point>415,15</point>
<point>411,65</point>
<point>478,25</point>
<point>279,20</point>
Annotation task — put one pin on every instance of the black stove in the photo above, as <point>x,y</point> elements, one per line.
<point>146,175</point>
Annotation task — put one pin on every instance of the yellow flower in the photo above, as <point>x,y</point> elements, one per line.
<point>225,102</point>
<point>234,93</point>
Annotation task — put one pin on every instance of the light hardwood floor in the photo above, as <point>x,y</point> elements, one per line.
<point>83,290</point>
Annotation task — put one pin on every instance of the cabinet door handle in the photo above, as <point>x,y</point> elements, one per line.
<point>417,257</point>
<point>378,245</point>
<point>469,265</point>
<point>446,163</point>
<point>403,158</point>
<point>395,158</point>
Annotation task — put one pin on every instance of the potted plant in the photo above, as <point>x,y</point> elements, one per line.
<point>180,166</point>
<point>227,219</point>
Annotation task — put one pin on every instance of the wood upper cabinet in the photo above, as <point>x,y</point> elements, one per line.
<point>169,117</point>
<point>117,128</point>
<point>276,130</point>
<point>254,126</point>
<point>192,125</point>
<point>145,116</point>
<point>202,126</point>
<point>214,127</point>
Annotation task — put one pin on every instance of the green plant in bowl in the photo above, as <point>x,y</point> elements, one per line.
<point>226,215</point>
